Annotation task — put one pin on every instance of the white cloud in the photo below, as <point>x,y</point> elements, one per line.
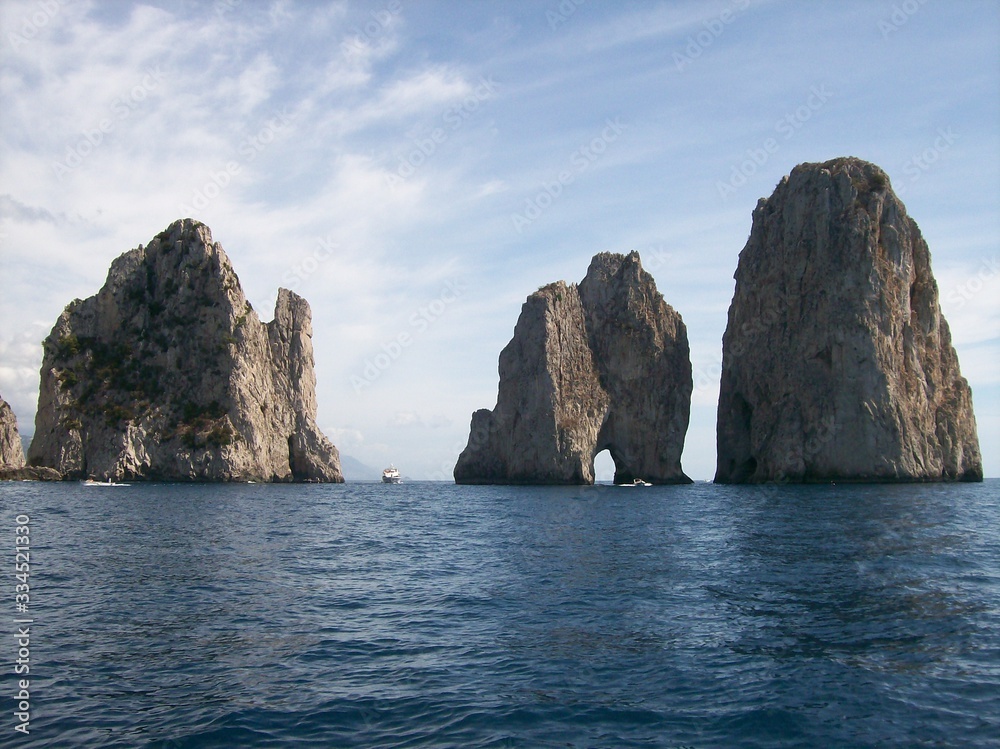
<point>405,419</point>
<point>254,85</point>
<point>345,438</point>
<point>492,187</point>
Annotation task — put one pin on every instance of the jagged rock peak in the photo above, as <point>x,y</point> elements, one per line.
<point>167,373</point>
<point>837,362</point>
<point>11,452</point>
<point>602,365</point>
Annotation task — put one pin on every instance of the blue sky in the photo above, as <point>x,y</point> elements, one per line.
<point>416,169</point>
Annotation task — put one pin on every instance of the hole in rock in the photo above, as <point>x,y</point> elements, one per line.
<point>604,467</point>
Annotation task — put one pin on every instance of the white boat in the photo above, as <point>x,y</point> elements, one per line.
<point>109,482</point>
<point>637,482</point>
<point>391,475</point>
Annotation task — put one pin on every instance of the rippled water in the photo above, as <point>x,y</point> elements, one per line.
<point>432,615</point>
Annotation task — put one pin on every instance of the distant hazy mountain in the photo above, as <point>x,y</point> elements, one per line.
<point>354,470</point>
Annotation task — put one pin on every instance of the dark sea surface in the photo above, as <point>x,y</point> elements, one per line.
<point>433,615</point>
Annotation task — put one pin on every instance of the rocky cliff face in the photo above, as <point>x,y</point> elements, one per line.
<point>11,452</point>
<point>602,365</point>
<point>168,374</point>
<point>837,363</point>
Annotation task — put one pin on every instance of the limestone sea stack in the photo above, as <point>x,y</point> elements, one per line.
<point>168,374</point>
<point>12,463</point>
<point>602,365</point>
<point>11,452</point>
<point>837,364</point>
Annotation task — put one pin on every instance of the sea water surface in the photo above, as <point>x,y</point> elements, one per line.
<point>434,615</point>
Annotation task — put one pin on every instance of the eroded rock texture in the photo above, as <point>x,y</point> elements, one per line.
<point>11,452</point>
<point>837,363</point>
<point>168,374</point>
<point>602,365</point>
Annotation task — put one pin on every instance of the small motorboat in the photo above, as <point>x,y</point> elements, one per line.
<point>391,475</point>
<point>108,482</point>
<point>637,482</point>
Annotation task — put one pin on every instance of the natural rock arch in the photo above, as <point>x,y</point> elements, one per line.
<point>602,365</point>
<point>625,472</point>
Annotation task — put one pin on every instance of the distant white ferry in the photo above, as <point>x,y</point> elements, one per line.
<point>391,475</point>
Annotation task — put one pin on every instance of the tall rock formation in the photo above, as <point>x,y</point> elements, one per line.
<point>11,452</point>
<point>602,365</point>
<point>168,374</point>
<point>837,363</point>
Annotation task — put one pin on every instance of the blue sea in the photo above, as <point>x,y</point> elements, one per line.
<point>434,615</point>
